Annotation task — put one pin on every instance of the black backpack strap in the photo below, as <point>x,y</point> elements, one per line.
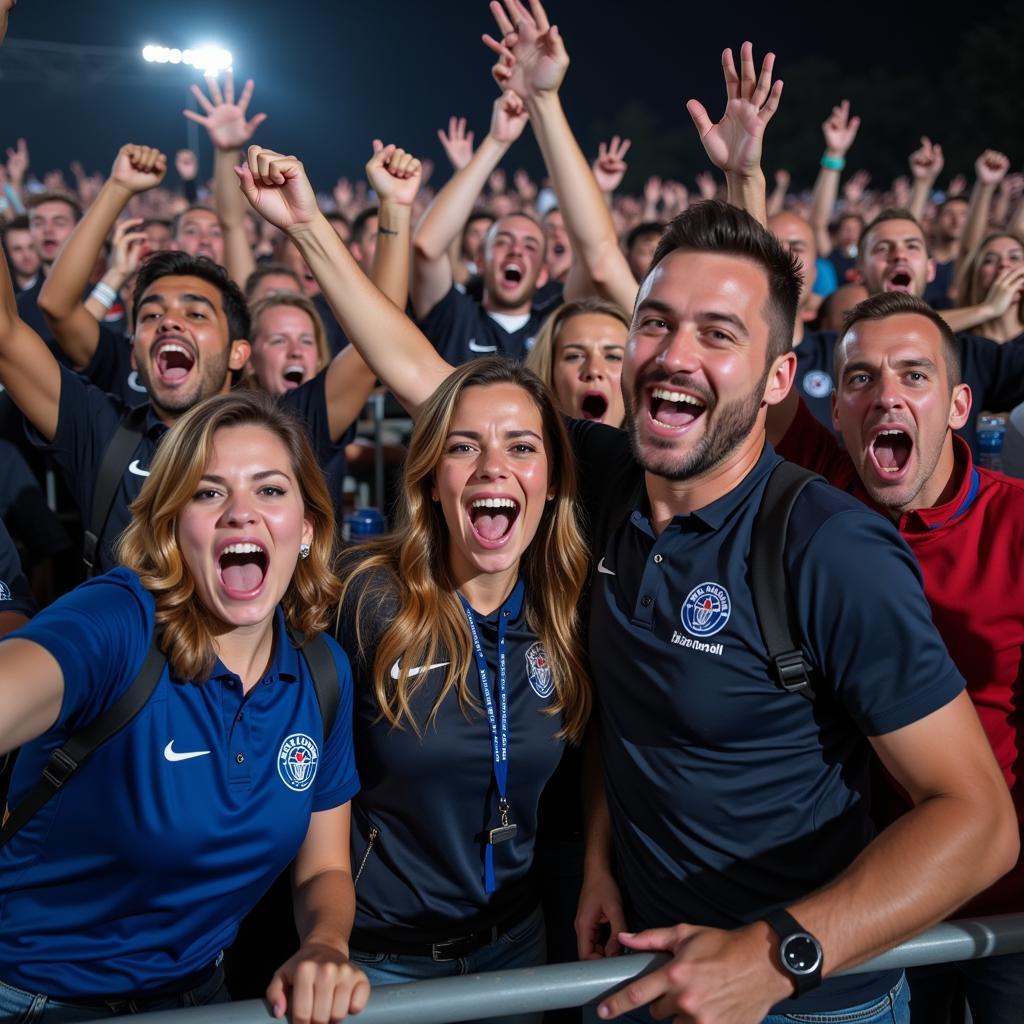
<point>112,466</point>
<point>324,671</point>
<point>768,578</point>
<point>66,760</point>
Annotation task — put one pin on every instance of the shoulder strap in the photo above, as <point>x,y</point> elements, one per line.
<point>112,466</point>
<point>768,578</point>
<point>325,679</point>
<point>66,760</point>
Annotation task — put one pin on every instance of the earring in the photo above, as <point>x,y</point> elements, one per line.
<point>303,551</point>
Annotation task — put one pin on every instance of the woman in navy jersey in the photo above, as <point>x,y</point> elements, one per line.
<point>121,891</point>
<point>463,630</point>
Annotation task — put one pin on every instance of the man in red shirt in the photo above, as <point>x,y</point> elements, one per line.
<point>898,399</point>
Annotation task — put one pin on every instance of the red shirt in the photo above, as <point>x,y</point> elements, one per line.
<point>971,553</point>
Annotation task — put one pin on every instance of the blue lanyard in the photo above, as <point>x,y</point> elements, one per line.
<point>498,726</point>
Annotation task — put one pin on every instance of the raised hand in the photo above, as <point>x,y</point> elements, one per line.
<point>1005,290</point>
<point>17,160</point>
<point>138,168</point>
<point>343,194</point>
<point>127,248</point>
<point>652,192</point>
<point>926,162</point>
<point>508,118</point>
<point>526,189</point>
<point>1013,185</point>
<point>676,198</point>
<point>531,55</point>
<point>840,130</point>
<point>853,190</point>
<point>957,185</point>
<point>706,185</point>
<point>782,179</point>
<point>277,188</point>
<point>6,6</point>
<point>991,167</point>
<point>223,118</point>
<point>610,166</point>
<point>734,144</point>
<point>186,163</point>
<point>393,174</point>
<point>457,143</point>
<point>496,182</point>
<point>901,192</point>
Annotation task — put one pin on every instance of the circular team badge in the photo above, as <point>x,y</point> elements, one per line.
<point>706,609</point>
<point>817,384</point>
<point>296,762</point>
<point>5,591</point>
<point>538,671</point>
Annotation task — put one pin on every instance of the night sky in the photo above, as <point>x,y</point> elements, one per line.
<point>332,74</point>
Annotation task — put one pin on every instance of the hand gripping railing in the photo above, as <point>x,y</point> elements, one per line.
<point>557,986</point>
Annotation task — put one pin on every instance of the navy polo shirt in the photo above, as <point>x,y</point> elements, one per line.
<point>15,593</point>
<point>730,797</point>
<point>111,368</point>
<point>461,329</point>
<point>430,796</point>
<point>139,870</point>
<point>814,375</point>
<point>995,373</point>
<point>88,419</point>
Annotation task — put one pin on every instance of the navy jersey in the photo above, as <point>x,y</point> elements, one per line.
<point>417,825</point>
<point>15,594</point>
<point>139,870</point>
<point>995,373</point>
<point>88,418</point>
<point>111,368</point>
<point>461,329</point>
<point>814,373</point>
<point>730,797</point>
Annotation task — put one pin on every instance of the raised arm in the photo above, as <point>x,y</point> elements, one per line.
<point>734,144</point>
<point>990,169</point>
<point>777,199</point>
<point>136,169</point>
<point>125,256</point>
<point>230,130</point>
<point>532,61</point>
<point>926,165</point>
<point>610,166</point>
<point>394,348</point>
<point>839,130</point>
<point>444,220</point>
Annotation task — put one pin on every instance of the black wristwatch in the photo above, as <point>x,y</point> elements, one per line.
<point>799,951</point>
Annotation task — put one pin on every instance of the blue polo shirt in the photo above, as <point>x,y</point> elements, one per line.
<point>730,797</point>
<point>139,870</point>
<point>110,368</point>
<point>429,797</point>
<point>814,373</point>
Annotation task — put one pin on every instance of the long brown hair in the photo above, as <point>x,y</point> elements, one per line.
<point>971,293</point>
<point>415,561</point>
<point>150,544</point>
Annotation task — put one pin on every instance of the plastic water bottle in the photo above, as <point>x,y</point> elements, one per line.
<point>991,431</point>
<point>364,523</point>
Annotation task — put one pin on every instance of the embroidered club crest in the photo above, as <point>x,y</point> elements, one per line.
<point>706,609</point>
<point>296,762</point>
<point>538,671</point>
<point>5,591</point>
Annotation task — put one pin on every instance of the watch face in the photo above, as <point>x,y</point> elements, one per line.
<point>801,954</point>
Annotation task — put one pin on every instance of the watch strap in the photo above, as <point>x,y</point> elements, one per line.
<point>785,925</point>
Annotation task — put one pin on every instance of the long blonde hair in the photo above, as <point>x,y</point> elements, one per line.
<point>149,546</point>
<point>415,563</point>
<point>293,300</point>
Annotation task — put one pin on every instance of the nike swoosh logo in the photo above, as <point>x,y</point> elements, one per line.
<point>186,755</point>
<point>601,568</point>
<point>474,347</point>
<point>137,469</point>
<point>396,669</point>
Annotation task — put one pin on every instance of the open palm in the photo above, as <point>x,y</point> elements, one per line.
<point>223,118</point>
<point>532,57</point>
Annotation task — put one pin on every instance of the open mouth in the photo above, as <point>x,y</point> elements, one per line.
<point>294,375</point>
<point>890,451</point>
<point>492,519</point>
<point>674,409</point>
<point>174,362</point>
<point>242,568</point>
<point>512,274</point>
<point>593,406</point>
<point>900,281</point>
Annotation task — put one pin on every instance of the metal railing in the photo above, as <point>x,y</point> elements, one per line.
<point>559,986</point>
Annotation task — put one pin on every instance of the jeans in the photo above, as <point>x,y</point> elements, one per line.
<point>20,1007</point>
<point>993,987</point>
<point>521,946</point>
<point>892,1008</point>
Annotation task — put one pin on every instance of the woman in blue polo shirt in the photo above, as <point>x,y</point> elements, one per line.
<point>469,678</point>
<point>121,892</point>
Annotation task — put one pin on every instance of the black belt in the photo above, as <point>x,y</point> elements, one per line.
<point>177,988</point>
<point>444,950</point>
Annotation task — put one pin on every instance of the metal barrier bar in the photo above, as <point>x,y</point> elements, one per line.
<point>557,986</point>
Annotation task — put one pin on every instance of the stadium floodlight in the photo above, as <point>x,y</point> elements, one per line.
<point>208,58</point>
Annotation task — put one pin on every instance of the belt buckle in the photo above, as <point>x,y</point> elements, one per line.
<point>445,952</point>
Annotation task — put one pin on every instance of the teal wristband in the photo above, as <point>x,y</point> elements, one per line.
<point>833,163</point>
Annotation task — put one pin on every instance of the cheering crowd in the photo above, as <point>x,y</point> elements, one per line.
<point>697,626</point>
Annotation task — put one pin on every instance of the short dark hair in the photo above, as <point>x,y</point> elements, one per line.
<point>179,217</point>
<point>887,304</point>
<point>359,223</point>
<point>337,217</point>
<point>269,270</point>
<point>893,213</point>
<point>172,263</point>
<point>38,198</point>
<point>162,221</point>
<point>643,230</point>
<point>959,198</point>
<point>717,227</point>
<point>19,223</point>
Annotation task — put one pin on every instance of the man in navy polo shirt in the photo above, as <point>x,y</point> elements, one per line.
<point>16,603</point>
